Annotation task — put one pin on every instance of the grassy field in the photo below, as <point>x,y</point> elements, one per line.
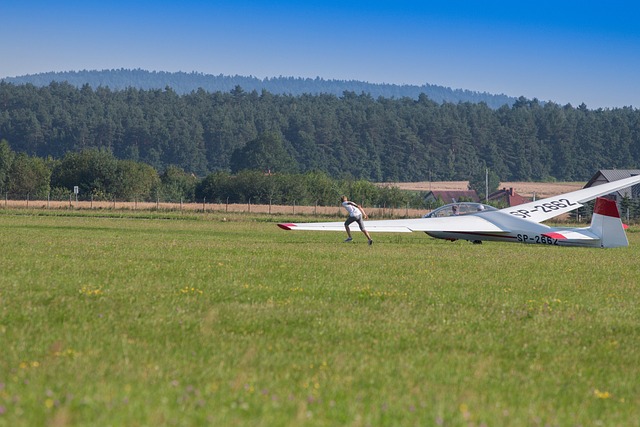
<point>194,320</point>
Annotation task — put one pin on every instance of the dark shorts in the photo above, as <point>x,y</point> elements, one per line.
<point>355,219</point>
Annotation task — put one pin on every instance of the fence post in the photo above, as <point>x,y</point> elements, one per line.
<point>27,200</point>
<point>204,201</point>
<point>269,206</point>
<point>294,207</point>
<point>249,204</point>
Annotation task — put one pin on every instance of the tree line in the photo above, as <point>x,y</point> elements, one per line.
<point>100,176</point>
<point>348,137</point>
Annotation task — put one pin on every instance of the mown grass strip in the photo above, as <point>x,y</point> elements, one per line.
<point>131,320</point>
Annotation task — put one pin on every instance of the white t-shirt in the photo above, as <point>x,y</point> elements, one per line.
<point>352,209</point>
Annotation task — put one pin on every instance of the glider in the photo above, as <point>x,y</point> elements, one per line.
<point>519,224</point>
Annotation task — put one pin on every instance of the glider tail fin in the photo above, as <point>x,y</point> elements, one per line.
<point>607,225</point>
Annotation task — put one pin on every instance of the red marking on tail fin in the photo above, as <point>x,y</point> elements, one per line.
<point>606,207</point>
<point>554,235</point>
<point>286,226</point>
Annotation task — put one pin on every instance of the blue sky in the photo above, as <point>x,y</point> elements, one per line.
<point>562,51</point>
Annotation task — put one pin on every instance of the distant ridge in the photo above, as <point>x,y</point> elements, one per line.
<point>183,83</point>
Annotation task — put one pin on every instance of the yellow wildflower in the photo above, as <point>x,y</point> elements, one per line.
<point>602,394</point>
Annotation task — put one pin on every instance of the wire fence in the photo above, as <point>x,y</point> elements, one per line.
<point>16,202</point>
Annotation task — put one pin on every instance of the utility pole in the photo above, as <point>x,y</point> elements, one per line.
<point>486,185</point>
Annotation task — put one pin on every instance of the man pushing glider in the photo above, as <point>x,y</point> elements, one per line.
<point>356,213</point>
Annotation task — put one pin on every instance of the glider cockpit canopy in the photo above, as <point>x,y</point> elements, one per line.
<point>461,208</point>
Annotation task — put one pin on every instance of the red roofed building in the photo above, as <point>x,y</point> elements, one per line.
<point>508,197</point>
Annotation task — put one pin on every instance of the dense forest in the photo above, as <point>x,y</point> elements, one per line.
<point>185,83</point>
<point>352,136</point>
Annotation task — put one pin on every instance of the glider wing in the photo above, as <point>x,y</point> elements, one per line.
<point>463,223</point>
<point>544,209</point>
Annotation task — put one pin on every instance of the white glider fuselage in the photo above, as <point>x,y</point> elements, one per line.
<point>529,232</point>
<point>519,230</point>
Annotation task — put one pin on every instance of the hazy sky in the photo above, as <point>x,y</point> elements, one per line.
<point>562,51</point>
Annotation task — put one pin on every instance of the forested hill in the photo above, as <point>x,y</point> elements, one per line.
<point>352,135</point>
<point>184,83</point>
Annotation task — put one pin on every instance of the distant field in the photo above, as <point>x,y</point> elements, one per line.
<point>526,189</point>
<point>218,319</point>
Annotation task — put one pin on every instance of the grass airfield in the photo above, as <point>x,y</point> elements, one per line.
<point>143,319</point>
